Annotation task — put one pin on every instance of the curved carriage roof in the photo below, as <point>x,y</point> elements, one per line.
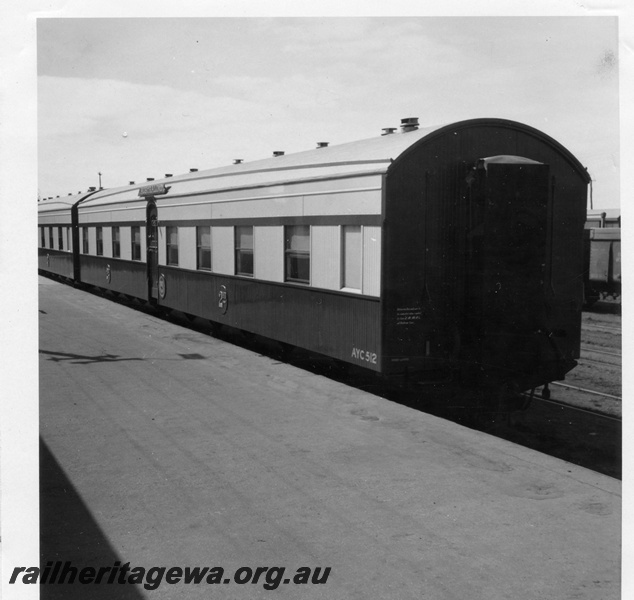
<point>60,203</point>
<point>364,157</point>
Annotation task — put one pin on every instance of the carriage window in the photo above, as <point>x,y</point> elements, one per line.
<point>351,257</point>
<point>136,242</point>
<point>203,246</point>
<point>99,241</point>
<point>244,251</point>
<point>297,250</point>
<point>43,237</point>
<point>68,239</point>
<point>84,240</point>
<point>172,245</point>
<point>60,238</point>
<point>116,243</point>
<point>50,237</point>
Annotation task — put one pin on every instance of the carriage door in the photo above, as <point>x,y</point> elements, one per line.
<point>508,256</point>
<point>152,251</point>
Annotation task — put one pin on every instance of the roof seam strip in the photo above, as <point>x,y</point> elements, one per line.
<point>243,199</point>
<point>244,187</point>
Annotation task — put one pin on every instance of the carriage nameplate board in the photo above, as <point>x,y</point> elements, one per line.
<point>155,189</point>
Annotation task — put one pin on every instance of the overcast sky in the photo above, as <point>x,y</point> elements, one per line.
<point>138,98</point>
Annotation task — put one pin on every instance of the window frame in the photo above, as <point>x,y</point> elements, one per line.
<point>244,252</point>
<point>344,261</point>
<point>171,248</point>
<point>201,250</point>
<point>116,241</point>
<point>85,241</point>
<point>99,239</point>
<point>293,256</point>
<point>135,246</point>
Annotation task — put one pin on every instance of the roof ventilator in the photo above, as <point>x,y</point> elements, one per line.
<point>409,124</point>
<point>238,161</point>
<point>278,153</point>
<point>388,130</point>
<point>193,170</point>
<point>322,144</point>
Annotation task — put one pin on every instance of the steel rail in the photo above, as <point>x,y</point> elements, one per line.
<point>591,349</point>
<point>594,413</point>
<point>580,389</point>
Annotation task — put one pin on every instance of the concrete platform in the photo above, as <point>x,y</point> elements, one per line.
<point>163,447</point>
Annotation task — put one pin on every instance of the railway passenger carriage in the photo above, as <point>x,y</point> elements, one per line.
<point>454,248</point>
<point>56,236</point>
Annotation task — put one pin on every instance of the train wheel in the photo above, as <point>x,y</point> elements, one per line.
<point>546,392</point>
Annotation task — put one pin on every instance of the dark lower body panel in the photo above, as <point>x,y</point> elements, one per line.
<point>340,326</point>
<point>117,275</point>
<point>55,262</point>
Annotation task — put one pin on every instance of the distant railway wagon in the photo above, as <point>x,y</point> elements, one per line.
<point>602,275</point>
<point>456,248</point>
<point>603,218</point>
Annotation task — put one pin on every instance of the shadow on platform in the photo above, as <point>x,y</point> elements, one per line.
<point>69,533</point>
<point>82,359</point>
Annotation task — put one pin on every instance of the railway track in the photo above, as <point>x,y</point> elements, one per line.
<point>601,405</point>
<point>592,354</point>
<point>575,434</point>
<point>574,407</point>
<point>600,327</point>
<point>586,391</point>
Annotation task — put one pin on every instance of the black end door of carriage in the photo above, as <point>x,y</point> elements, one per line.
<point>152,251</point>
<point>508,260</point>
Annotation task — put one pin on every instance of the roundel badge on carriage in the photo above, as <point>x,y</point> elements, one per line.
<point>162,286</point>
<point>222,299</point>
<point>108,273</point>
